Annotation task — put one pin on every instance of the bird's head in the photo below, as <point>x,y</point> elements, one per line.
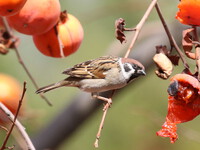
<point>131,69</point>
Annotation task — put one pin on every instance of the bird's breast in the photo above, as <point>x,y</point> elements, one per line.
<point>97,87</point>
<point>102,85</point>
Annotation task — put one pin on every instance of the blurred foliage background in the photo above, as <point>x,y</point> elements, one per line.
<point>138,113</point>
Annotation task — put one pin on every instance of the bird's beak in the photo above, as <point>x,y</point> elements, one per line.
<point>142,72</point>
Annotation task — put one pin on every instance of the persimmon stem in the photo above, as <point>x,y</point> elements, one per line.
<point>139,26</point>
<point>171,38</point>
<point>10,33</point>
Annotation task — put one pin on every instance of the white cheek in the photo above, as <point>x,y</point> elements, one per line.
<point>126,75</point>
<point>130,73</point>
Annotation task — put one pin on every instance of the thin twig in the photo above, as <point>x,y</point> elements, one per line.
<point>13,123</point>
<point>106,107</point>
<point>16,123</point>
<point>137,30</point>
<point>197,50</point>
<point>171,38</point>
<point>197,54</point>
<point>8,29</point>
<point>4,128</point>
<point>196,38</point>
<point>139,26</point>
<point>129,29</point>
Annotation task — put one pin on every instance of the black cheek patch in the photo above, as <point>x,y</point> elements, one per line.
<point>127,68</point>
<point>133,76</point>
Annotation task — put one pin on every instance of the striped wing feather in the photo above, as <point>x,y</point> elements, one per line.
<point>92,69</point>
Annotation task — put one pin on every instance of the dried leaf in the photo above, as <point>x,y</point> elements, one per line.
<point>187,39</point>
<point>164,65</point>
<point>6,42</point>
<point>119,30</point>
<point>190,55</point>
<point>163,49</point>
<point>174,59</point>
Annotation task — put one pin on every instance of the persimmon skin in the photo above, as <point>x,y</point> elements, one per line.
<point>36,17</point>
<point>10,95</point>
<point>183,104</point>
<point>47,43</point>
<point>189,12</point>
<point>186,79</point>
<point>70,33</point>
<point>10,7</point>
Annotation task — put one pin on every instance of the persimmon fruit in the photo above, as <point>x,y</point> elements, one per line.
<point>183,104</point>
<point>189,13</point>
<point>10,7</point>
<point>62,40</point>
<point>36,17</point>
<point>10,95</point>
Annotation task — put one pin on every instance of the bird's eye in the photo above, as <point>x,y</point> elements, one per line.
<point>134,66</point>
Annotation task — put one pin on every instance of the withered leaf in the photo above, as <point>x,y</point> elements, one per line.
<point>190,55</point>
<point>187,39</point>
<point>7,42</point>
<point>163,49</point>
<point>163,64</point>
<point>174,59</point>
<point>119,30</point>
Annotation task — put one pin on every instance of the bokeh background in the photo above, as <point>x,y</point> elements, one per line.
<point>137,112</point>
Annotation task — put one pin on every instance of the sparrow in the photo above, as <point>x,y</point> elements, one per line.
<point>99,75</point>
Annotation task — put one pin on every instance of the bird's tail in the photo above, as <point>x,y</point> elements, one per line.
<point>49,87</point>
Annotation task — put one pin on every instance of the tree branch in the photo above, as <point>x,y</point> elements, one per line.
<point>171,38</point>
<point>16,123</point>
<point>10,34</point>
<point>139,27</point>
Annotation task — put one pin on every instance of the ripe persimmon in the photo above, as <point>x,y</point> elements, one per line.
<point>10,7</point>
<point>10,95</point>
<point>36,17</point>
<point>183,104</point>
<point>62,40</point>
<point>189,12</point>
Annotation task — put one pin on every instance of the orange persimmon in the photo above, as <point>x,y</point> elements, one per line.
<point>36,17</point>
<point>62,40</point>
<point>189,12</point>
<point>183,104</point>
<point>10,7</point>
<point>10,94</point>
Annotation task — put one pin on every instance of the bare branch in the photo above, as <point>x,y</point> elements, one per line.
<point>106,107</point>
<point>171,38</point>
<point>197,51</point>
<point>139,26</point>
<point>16,123</point>
<point>10,33</point>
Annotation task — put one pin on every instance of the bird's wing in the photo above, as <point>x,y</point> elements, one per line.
<point>93,69</point>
